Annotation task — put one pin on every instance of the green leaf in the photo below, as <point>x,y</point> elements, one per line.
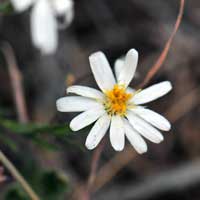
<point>36,133</point>
<point>53,184</point>
<point>49,185</point>
<point>16,194</point>
<point>6,7</point>
<point>45,144</point>
<point>9,142</point>
<point>31,128</point>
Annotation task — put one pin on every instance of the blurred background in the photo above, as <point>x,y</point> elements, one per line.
<point>52,158</point>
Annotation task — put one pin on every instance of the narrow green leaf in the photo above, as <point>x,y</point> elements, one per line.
<point>45,144</point>
<point>31,128</point>
<point>9,142</point>
<point>6,7</point>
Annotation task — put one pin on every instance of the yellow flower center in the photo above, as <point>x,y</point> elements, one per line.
<point>116,101</point>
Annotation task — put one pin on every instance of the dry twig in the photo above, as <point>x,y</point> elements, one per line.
<point>154,69</point>
<point>2,176</point>
<point>16,81</point>
<point>94,164</point>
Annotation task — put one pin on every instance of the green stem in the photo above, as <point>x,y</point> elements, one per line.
<point>15,173</point>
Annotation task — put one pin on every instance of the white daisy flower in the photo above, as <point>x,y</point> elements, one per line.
<point>116,106</point>
<point>44,25</point>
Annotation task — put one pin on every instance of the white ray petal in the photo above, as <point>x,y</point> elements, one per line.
<point>102,71</point>
<point>21,5</point>
<point>64,8</point>
<point>75,104</point>
<point>128,70</point>
<point>85,91</point>
<point>86,118</point>
<point>134,138</point>
<point>69,16</point>
<point>44,27</point>
<point>144,128</point>
<point>153,92</point>
<point>119,63</point>
<point>130,90</point>
<point>153,118</point>
<point>97,132</point>
<point>117,137</point>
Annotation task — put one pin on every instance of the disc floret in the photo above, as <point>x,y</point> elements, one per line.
<point>116,100</point>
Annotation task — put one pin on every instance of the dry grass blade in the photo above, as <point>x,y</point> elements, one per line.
<point>154,69</point>
<point>94,164</point>
<point>2,176</point>
<point>110,169</point>
<point>16,82</point>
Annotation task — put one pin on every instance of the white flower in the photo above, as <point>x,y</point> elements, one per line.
<point>44,25</point>
<point>116,106</point>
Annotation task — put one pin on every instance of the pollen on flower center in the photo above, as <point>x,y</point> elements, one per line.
<point>116,100</point>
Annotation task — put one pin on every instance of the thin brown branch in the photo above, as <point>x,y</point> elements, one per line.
<point>94,164</point>
<point>2,176</point>
<point>84,192</point>
<point>110,169</point>
<point>16,82</point>
<point>154,69</point>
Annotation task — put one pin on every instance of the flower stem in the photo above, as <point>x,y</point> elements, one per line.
<point>87,192</point>
<point>15,173</point>
<point>94,164</point>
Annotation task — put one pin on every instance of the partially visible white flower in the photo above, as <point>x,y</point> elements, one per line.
<point>21,5</point>
<point>64,8</point>
<point>116,106</point>
<point>44,24</point>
